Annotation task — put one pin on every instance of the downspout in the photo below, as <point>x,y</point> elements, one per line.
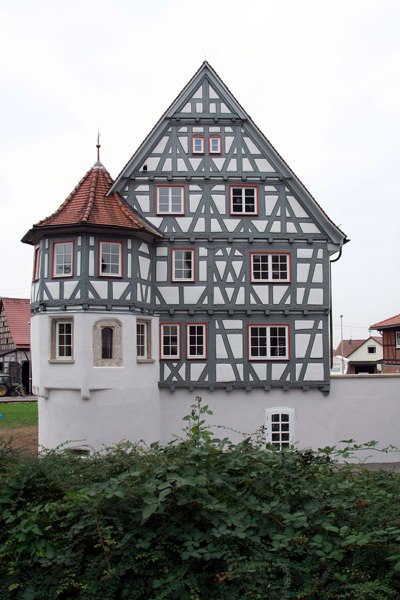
<point>330,303</point>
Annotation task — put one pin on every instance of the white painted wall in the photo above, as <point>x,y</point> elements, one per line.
<point>362,352</point>
<point>362,408</point>
<point>97,405</point>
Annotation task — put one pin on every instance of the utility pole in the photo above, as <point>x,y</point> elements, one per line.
<point>341,335</point>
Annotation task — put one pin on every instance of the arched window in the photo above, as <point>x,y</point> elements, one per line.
<point>279,426</point>
<point>107,342</point>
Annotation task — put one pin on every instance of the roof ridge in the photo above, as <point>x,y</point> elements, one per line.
<point>92,196</point>
<point>67,200</point>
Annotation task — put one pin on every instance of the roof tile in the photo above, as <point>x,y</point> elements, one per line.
<point>390,322</point>
<point>18,319</point>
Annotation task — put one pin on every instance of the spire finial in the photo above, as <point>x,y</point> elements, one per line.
<point>98,146</point>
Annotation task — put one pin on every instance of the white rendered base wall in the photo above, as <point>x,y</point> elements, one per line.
<point>363,408</point>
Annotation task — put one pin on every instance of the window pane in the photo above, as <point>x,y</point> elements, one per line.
<point>63,258</point>
<point>107,342</point>
<point>110,258</point>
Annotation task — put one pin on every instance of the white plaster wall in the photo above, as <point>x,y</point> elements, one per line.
<point>100,405</point>
<point>361,408</point>
<point>362,352</point>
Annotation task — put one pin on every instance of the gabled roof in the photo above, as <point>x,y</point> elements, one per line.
<point>18,317</point>
<point>235,109</point>
<point>387,323</point>
<point>88,204</point>
<point>350,346</point>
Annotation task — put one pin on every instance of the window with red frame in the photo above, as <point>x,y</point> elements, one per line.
<point>243,200</point>
<point>214,144</point>
<point>268,342</point>
<point>36,264</point>
<point>170,200</point>
<point>170,347</point>
<point>196,337</point>
<point>267,267</point>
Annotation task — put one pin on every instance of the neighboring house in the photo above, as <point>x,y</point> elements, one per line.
<point>205,266</point>
<point>361,356</point>
<point>390,330</point>
<point>14,339</point>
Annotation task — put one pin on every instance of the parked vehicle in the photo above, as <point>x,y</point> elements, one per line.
<point>8,388</point>
<point>5,385</point>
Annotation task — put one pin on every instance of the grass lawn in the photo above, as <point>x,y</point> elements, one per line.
<point>18,414</point>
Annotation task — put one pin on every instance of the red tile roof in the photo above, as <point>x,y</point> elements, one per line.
<point>88,204</point>
<point>350,346</point>
<point>18,317</point>
<point>390,322</point>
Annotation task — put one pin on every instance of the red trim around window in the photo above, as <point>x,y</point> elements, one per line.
<point>192,250</point>
<point>110,275</point>
<point>269,281</point>
<point>205,329</point>
<point>215,137</point>
<point>162,357</point>
<point>53,275</point>
<point>36,263</point>
<point>268,359</point>
<point>202,138</point>
<point>166,214</point>
<point>243,214</point>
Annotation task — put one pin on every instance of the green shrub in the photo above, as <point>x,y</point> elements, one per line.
<point>199,518</point>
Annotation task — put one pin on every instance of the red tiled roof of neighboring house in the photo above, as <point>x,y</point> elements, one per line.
<point>350,346</point>
<point>18,319</point>
<point>88,204</point>
<point>390,322</point>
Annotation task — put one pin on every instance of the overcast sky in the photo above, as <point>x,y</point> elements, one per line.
<point>321,78</point>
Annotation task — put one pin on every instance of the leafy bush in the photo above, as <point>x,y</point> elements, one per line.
<point>199,518</point>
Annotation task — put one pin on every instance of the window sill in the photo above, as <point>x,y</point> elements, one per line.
<point>145,360</point>
<point>59,361</point>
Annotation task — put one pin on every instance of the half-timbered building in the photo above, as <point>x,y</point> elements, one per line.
<point>204,266</point>
<point>390,331</point>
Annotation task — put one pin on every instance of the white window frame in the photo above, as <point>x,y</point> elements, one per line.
<point>102,243</point>
<point>270,258</point>
<point>214,138</point>
<point>56,334</point>
<point>397,339</point>
<point>269,331</point>
<point>371,349</point>
<point>243,189</point>
<point>143,340</point>
<point>175,256</point>
<point>277,430</point>
<point>59,259</point>
<point>167,193</point>
<point>163,328</point>
<point>198,144</point>
<point>196,355</point>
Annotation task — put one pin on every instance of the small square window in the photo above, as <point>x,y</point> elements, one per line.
<point>170,200</point>
<point>110,259</point>
<point>243,200</point>
<point>198,144</point>
<point>371,349</point>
